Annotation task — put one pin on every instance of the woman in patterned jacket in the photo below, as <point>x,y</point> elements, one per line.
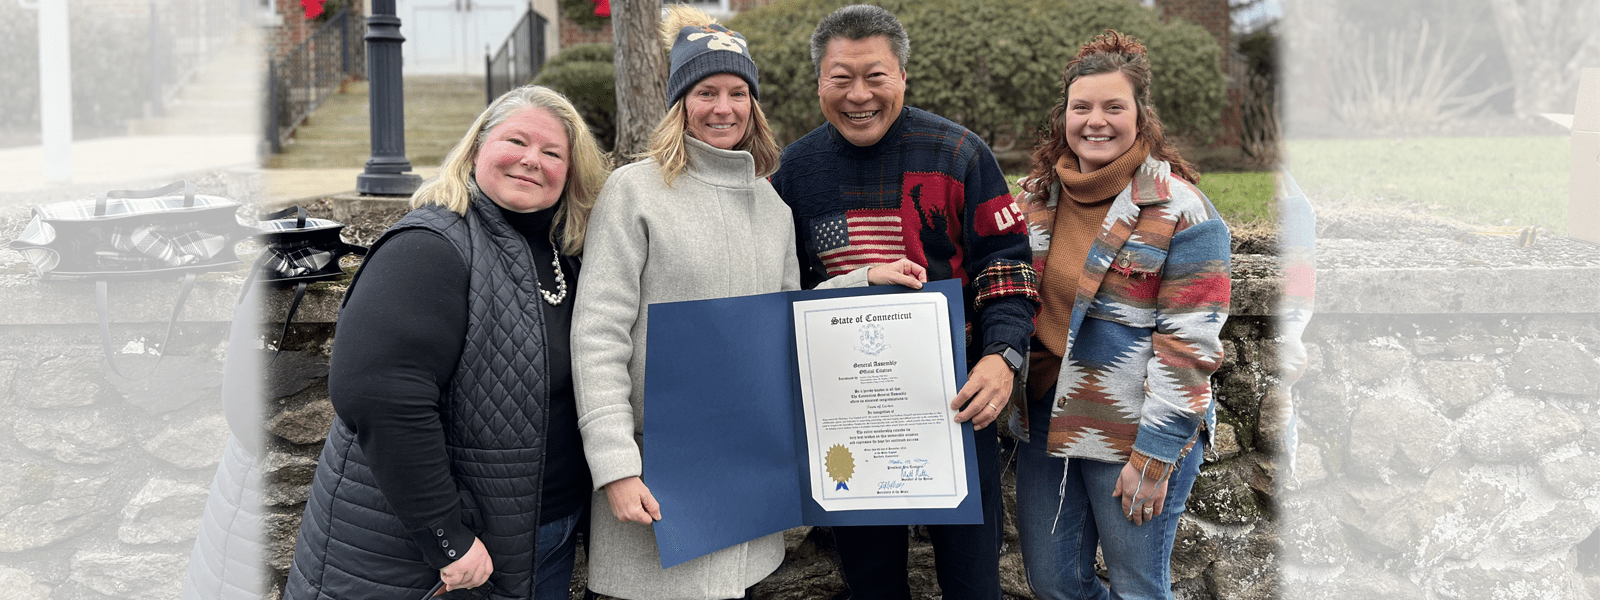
<point>1134,265</point>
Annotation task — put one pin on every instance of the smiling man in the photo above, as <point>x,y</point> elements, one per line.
<point>880,182</point>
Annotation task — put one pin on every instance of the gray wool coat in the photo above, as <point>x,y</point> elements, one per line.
<point>718,231</point>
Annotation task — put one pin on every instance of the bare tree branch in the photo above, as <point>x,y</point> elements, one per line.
<point>1545,41</point>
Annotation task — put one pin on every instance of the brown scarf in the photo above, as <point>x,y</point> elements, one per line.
<point>1105,182</point>
<point>1076,225</point>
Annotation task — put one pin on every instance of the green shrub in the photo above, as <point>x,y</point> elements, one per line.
<point>1190,89</point>
<point>586,75</point>
<point>992,65</point>
<point>581,53</point>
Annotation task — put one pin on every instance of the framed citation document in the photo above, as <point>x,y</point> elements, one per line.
<point>817,407</point>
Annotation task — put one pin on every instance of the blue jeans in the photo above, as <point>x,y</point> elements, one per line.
<point>556,551</point>
<point>1060,563</point>
<point>967,557</point>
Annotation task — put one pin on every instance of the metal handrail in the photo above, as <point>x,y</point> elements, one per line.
<point>519,58</point>
<point>299,82</point>
<point>183,35</point>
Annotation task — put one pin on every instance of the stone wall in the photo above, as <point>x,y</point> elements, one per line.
<point>1449,427</point>
<point>103,478</point>
<point>1225,547</point>
<point>1448,431</point>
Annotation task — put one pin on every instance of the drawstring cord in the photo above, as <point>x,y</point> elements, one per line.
<point>1061,494</point>
<point>1134,504</point>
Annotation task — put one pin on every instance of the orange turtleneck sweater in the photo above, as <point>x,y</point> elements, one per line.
<point>1077,222</point>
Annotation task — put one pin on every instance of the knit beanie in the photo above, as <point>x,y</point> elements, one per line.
<point>700,51</point>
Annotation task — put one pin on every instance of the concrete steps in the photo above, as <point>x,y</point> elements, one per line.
<point>438,110</point>
<point>222,98</point>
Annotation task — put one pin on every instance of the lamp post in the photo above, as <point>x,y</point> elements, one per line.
<point>388,171</point>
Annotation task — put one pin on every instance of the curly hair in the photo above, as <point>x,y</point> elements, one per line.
<point>1110,52</point>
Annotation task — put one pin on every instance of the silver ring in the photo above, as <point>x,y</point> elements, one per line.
<point>1148,511</point>
<point>996,408</point>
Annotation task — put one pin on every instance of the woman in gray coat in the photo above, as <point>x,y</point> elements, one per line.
<point>697,220</point>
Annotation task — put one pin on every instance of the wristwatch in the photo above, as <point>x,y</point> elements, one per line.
<point>1012,357</point>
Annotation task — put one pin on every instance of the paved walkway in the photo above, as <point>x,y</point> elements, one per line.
<point>133,161</point>
<point>326,155</point>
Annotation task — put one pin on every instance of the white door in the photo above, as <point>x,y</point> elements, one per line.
<point>448,37</point>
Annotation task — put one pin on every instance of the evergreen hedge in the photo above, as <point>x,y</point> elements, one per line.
<point>993,66</point>
<point>586,75</point>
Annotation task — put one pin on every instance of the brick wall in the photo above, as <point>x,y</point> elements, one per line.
<point>572,33</point>
<point>1210,14</point>
<point>295,28</point>
<point>1214,17</point>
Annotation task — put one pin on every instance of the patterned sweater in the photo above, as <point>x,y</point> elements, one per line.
<point>929,191</point>
<point>1155,287</point>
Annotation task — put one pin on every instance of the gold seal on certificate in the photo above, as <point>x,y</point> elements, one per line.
<point>876,379</point>
<point>841,465</point>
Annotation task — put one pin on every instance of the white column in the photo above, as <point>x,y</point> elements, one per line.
<point>55,90</point>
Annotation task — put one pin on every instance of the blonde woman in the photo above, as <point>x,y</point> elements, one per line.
<point>695,220</point>
<point>455,460</point>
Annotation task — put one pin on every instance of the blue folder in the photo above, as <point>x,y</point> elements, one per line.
<point>724,430</point>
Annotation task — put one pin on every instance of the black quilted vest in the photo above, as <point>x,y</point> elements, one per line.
<point>351,545</point>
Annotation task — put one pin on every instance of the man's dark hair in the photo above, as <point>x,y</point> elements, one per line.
<point>859,22</point>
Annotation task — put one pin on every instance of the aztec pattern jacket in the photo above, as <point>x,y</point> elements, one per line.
<point>1297,248</point>
<point>1146,323</point>
<point>930,191</point>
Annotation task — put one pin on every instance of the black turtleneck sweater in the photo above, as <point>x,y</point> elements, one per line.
<point>399,339</point>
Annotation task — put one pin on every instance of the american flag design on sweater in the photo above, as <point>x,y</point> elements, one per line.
<point>929,191</point>
<point>1146,324</point>
<point>846,242</point>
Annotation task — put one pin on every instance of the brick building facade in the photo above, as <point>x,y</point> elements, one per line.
<point>1212,15</point>
<point>293,28</point>
<point>1215,17</point>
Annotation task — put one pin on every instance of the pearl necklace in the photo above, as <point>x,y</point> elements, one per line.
<point>560,295</point>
